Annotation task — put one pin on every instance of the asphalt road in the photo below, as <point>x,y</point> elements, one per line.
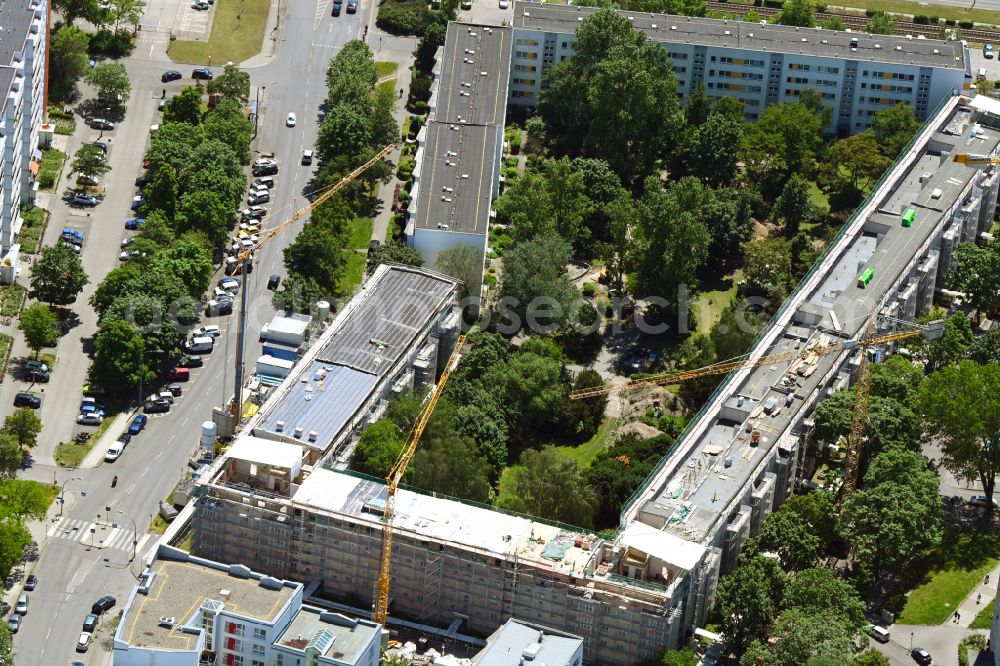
<point>72,572</point>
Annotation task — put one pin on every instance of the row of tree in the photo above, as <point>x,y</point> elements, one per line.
<point>195,185</point>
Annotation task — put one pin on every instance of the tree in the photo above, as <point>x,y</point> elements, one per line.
<point>463,262</point>
<point>870,657</point>
<point>587,415</point>
<point>11,457</point>
<point>203,211</point>
<point>317,253</point>
<point>90,161</point>
<point>894,128</point>
<point>351,76</point>
<point>451,464</point>
<point>24,425</point>
<point>767,268</point>
<point>233,84</point>
<point>787,534</point>
<point>67,61</point>
<point>860,156</point>
<point>393,252</point>
<point>532,389</point>
<point>534,281</point>
<point>299,293</point>
<point>797,12</point>
<point>24,498</point>
<point>188,260</point>
<point>698,107</point>
<point>552,200</point>
<point>684,657</point>
<point>184,107</point>
<point>986,348</point>
<point>802,637</point>
<point>818,510</point>
<point>125,12</point>
<point>975,271</point>
<point>58,276</point>
<point>378,448</point>
<point>818,590</point>
<point>552,486</point>
<point>745,601</point>
<point>890,423</point>
<point>833,23</point>
<point>961,405</point>
<point>14,536</point>
<point>895,515</point>
<point>161,193</point>
<point>882,23</point>
<point>119,356</point>
<point>794,205</point>
<point>707,150</point>
<point>953,343</point>
<point>227,124</point>
<point>38,324</point>
<point>783,141</point>
<point>111,81</point>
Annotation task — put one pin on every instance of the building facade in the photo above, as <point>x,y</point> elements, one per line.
<point>22,84</point>
<point>856,74</point>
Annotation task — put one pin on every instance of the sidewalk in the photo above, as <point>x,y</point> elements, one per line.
<point>96,455</point>
<point>970,608</point>
<point>380,225</point>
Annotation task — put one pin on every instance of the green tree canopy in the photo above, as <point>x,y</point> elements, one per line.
<point>894,128</point>
<point>38,324</point>
<point>67,60</point>
<point>534,278</point>
<point>745,601</point>
<point>787,534</point>
<point>233,84</point>
<point>860,157</point>
<point>57,277</point>
<point>119,356</point>
<point>317,253</point>
<point>184,107</point>
<point>24,425</point>
<point>204,212</point>
<point>975,271</point>
<point>550,485</point>
<point>392,252</point>
<point>463,262</point>
<point>161,194</point>
<point>797,12</point>
<point>378,448</point>
<point>111,81</point>
<point>882,23</point>
<point>25,498</point>
<point>90,161</point>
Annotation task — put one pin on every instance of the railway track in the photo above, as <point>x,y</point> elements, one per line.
<point>860,22</point>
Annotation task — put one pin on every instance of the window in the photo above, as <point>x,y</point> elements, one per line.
<point>526,55</point>
<point>798,66</point>
<point>260,634</point>
<point>256,662</point>
<point>258,649</point>
<point>526,42</point>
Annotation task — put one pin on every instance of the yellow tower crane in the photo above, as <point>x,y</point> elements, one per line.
<point>862,387</point>
<point>246,256</point>
<point>973,160</point>
<point>394,478</point>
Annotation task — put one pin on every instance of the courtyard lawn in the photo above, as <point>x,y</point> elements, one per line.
<point>237,34</point>
<point>585,453</point>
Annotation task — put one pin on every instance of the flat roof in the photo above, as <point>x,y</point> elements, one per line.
<point>473,527</point>
<point>392,313</point>
<point>517,642</point>
<point>664,546</point>
<point>790,40</point>
<point>474,71</point>
<point>456,183</point>
<point>331,634</point>
<point>322,400</point>
<point>295,325</point>
<point>15,22</point>
<point>694,489</point>
<point>179,589</point>
<point>266,452</point>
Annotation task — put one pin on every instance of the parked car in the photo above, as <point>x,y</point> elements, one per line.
<point>137,425</point>
<point>200,6</point>
<point>338,5</point>
<point>103,604</point>
<point>36,376</point>
<point>202,73</point>
<point>138,201</point>
<point>134,223</point>
<point>290,120</point>
<point>273,282</point>
<point>32,364</point>
<point>175,389</point>
<point>504,4</point>
<point>90,419</point>
<point>83,642</point>
<point>171,75</point>
<point>103,146</point>
<point>987,50</point>
<point>124,438</point>
<point>267,182</point>
<point>29,400</point>
<point>253,213</point>
<point>352,6</point>
<point>980,500</point>
<point>156,407</point>
<point>31,582</point>
<point>14,623</point>
<point>101,124</point>
<point>88,180</point>
<point>191,362</point>
<point>81,199</point>
<point>229,284</point>
<point>258,198</point>
<point>114,452</point>
<point>92,409</point>
<point>264,167</point>
<point>21,607</point>
<point>373,245</point>
<point>921,656</point>
<point>90,622</point>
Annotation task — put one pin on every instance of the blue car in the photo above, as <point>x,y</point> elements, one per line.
<point>75,233</point>
<point>138,423</point>
<point>88,408</point>
<point>132,225</point>
<point>138,202</point>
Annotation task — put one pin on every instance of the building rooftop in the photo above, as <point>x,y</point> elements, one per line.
<point>15,23</point>
<point>473,76</point>
<point>517,642</point>
<point>695,489</point>
<point>456,176</point>
<point>332,635</point>
<point>387,320</point>
<point>297,324</point>
<point>791,40</point>
<point>260,451</point>
<point>179,589</point>
<point>318,405</point>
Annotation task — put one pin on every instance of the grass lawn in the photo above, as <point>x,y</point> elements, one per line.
<point>389,85</point>
<point>984,620</point>
<point>912,8</point>
<point>48,359</point>
<point>11,297</point>
<point>384,69</point>
<point>31,230</point>
<point>49,169</point>
<point>505,485</point>
<point>355,271</point>
<point>585,453</point>
<point>51,492</point>
<point>950,573</point>
<point>237,34</point>
<point>817,198</point>
<point>717,297</point>
<point>5,341</point>
<point>71,455</point>
<point>360,233</point>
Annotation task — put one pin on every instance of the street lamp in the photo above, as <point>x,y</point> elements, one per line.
<point>62,495</point>
<point>135,534</point>
<point>911,642</point>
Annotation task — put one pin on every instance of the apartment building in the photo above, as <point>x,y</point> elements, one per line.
<point>188,611</point>
<point>856,74</point>
<point>22,84</point>
<point>517,643</point>
<point>457,172</point>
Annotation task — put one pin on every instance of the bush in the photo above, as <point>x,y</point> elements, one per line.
<point>935,20</point>
<point>419,107</point>
<point>111,44</point>
<point>965,25</point>
<point>404,17</point>
<point>420,88</point>
<point>405,169</point>
<point>921,19</point>
<point>515,144</point>
<point>950,23</point>
<point>589,289</point>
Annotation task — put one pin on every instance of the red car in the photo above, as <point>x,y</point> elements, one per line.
<point>179,375</point>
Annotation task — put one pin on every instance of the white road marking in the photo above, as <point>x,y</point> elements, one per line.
<point>157,456</point>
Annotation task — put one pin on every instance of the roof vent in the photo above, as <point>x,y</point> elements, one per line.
<point>298,432</point>
<point>937,52</point>
<point>673,27</point>
<point>224,593</point>
<point>910,37</point>
<point>465,176</point>
<point>825,41</point>
<point>446,199</point>
<point>279,426</point>
<point>464,93</point>
<point>168,622</point>
<point>447,189</point>
<point>727,33</point>
<point>468,61</point>
<point>899,48</point>
<point>631,18</point>
<point>579,19</point>
<point>878,46</point>
<point>804,39</point>
<point>483,73</point>
<point>526,13</point>
<point>447,163</point>
<point>313,435</point>
<point>750,35</point>
<point>653,26</point>
<point>469,51</point>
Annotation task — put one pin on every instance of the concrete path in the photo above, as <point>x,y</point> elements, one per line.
<point>402,56</point>
<point>982,594</point>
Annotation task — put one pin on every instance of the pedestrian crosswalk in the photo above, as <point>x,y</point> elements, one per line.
<point>99,535</point>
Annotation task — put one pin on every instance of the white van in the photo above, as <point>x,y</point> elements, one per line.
<point>981,74</point>
<point>881,634</point>
<point>115,452</point>
<point>22,604</point>
<point>202,343</point>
